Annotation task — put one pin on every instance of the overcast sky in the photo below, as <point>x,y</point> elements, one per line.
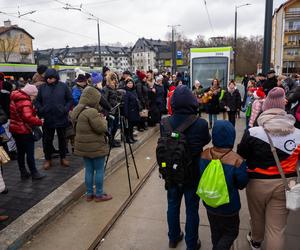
<point>126,20</point>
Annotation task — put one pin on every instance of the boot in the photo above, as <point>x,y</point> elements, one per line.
<point>38,176</point>
<point>47,164</point>
<point>64,163</point>
<point>24,175</point>
<point>3,218</point>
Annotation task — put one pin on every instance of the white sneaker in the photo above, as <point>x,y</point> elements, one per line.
<point>254,245</point>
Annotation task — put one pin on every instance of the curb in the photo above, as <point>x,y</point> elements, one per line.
<point>24,227</point>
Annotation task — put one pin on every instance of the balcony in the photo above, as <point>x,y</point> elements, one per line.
<point>288,30</point>
<point>291,58</point>
<point>290,70</point>
<point>292,44</point>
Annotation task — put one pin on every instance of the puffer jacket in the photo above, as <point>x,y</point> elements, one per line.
<point>255,111</point>
<point>255,147</point>
<point>131,105</point>
<point>90,138</point>
<point>22,114</point>
<point>235,170</point>
<point>233,100</point>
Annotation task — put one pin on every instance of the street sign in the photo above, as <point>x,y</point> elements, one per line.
<point>179,54</point>
<point>56,60</point>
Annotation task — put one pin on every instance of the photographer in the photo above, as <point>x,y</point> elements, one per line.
<point>131,109</point>
<point>113,97</point>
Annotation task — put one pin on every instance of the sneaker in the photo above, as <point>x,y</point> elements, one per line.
<point>89,197</point>
<point>253,244</point>
<point>64,163</point>
<point>173,244</point>
<point>38,176</point>
<point>103,197</point>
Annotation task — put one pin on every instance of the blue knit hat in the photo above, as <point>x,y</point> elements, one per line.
<point>96,78</point>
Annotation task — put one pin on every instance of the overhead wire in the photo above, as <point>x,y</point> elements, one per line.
<point>208,16</point>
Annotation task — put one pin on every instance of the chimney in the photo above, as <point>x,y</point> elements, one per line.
<point>7,23</point>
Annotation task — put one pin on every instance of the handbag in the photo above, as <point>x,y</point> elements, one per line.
<point>36,133</point>
<point>292,193</point>
<point>4,158</point>
<point>144,113</point>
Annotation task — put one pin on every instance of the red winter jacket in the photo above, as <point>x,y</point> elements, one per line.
<point>22,114</point>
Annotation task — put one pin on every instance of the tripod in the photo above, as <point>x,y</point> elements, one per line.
<point>123,124</point>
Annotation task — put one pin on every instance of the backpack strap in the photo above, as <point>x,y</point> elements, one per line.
<point>187,123</point>
<point>167,125</point>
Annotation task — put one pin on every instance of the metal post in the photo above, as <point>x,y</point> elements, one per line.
<point>267,36</point>
<point>235,38</point>
<point>99,47</point>
<point>173,52</point>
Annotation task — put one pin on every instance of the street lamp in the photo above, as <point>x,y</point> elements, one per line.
<point>98,29</point>
<point>235,36</point>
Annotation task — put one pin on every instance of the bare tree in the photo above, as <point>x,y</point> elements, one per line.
<point>7,46</point>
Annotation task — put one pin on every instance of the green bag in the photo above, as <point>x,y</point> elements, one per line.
<point>212,188</point>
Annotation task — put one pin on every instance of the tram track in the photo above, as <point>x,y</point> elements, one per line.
<point>101,237</point>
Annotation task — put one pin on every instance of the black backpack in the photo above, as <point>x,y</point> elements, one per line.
<point>172,152</point>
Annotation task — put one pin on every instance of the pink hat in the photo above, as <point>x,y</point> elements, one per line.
<point>30,90</point>
<point>275,99</point>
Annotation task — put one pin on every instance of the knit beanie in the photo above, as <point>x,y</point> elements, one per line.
<point>259,94</point>
<point>275,99</point>
<point>30,90</point>
<point>96,78</point>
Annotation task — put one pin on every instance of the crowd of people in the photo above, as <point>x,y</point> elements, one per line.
<point>87,114</point>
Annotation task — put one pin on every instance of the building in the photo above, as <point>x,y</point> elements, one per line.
<point>286,38</point>
<point>15,44</point>
<point>116,58</point>
<point>150,54</point>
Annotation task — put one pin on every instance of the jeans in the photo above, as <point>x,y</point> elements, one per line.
<point>174,195</point>
<point>48,136</point>
<point>224,230</point>
<point>212,118</point>
<point>93,165</point>
<point>25,146</point>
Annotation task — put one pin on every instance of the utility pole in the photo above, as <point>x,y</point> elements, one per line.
<point>235,37</point>
<point>173,48</point>
<point>99,46</point>
<point>267,36</point>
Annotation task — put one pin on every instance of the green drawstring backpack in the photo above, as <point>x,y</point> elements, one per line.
<point>212,188</point>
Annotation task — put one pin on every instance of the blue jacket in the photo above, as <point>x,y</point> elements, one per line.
<point>235,170</point>
<point>76,93</point>
<point>184,104</point>
<point>53,103</point>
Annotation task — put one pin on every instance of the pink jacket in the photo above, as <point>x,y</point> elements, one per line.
<point>255,111</point>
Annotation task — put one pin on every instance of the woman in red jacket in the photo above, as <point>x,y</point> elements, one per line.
<point>22,119</point>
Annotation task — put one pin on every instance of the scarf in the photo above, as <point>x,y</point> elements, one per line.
<point>277,122</point>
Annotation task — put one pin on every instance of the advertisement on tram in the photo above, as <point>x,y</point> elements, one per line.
<point>209,63</point>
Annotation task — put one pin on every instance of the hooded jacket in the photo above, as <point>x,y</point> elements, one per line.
<point>235,171</point>
<point>54,102</point>
<point>22,114</point>
<point>131,105</point>
<point>90,138</point>
<point>184,104</point>
<point>255,147</point>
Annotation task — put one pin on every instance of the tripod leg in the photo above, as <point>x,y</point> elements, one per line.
<point>107,158</point>
<point>133,159</point>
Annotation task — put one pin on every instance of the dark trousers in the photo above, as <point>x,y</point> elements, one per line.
<point>48,136</point>
<point>231,117</point>
<point>113,125</point>
<point>25,146</point>
<point>224,230</point>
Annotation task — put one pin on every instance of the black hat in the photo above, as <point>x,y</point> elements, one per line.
<point>104,70</point>
<point>81,78</point>
<point>261,75</point>
<point>41,69</point>
<point>127,72</point>
<point>271,72</point>
<point>87,75</point>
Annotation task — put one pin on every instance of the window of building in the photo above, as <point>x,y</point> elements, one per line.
<point>292,52</point>
<point>21,36</point>
<point>109,59</point>
<point>292,25</point>
<point>110,64</point>
<point>294,10</point>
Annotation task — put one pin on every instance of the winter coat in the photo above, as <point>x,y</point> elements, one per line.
<point>112,96</point>
<point>159,98</point>
<point>233,100</point>
<point>76,93</point>
<point>170,94</point>
<point>154,111</point>
<point>269,84</point>
<point>22,114</point>
<point>131,105</point>
<point>255,147</point>
<point>142,93</point>
<point>213,107</point>
<point>5,97</point>
<point>235,170</point>
<point>197,135</point>
<point>3,116</point>
<point>53,103</point>
<point>90,138</point>
<point>256,109</point>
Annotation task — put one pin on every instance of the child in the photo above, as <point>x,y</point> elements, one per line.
<point>224,220</point>
<point>248,105</point>
<point>259,96</point>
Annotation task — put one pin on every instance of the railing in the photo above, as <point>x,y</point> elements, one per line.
<point>292,44</point>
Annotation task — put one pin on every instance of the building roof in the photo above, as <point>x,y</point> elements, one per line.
<point>4,29</point>
<point>284,5</point>
<point>154,45</point>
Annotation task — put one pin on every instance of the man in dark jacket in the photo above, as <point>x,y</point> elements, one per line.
<point>184,104</point>
<point>53,102</point>
<point>270,83</point>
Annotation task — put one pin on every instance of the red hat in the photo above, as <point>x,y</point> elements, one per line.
<point>141,75</point>
<point>259,94</point>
